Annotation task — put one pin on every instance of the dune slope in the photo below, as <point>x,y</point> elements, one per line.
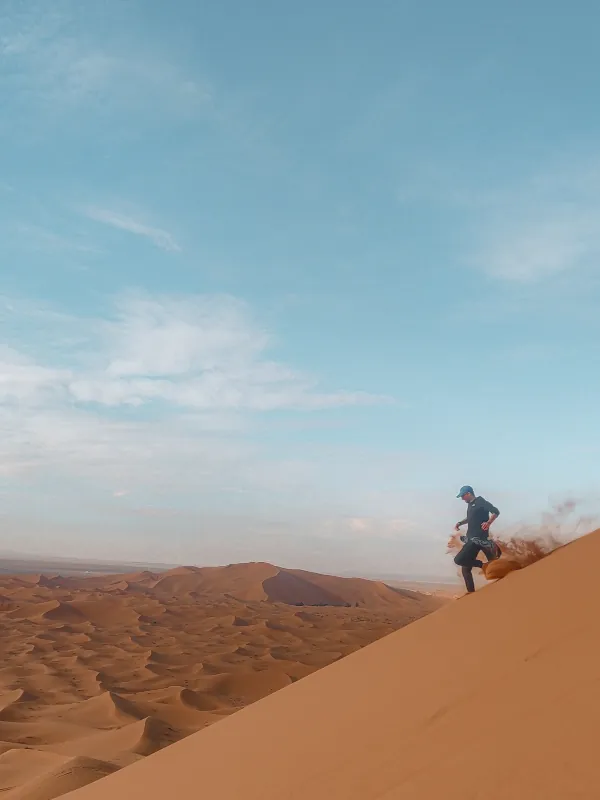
<point>494,696</point>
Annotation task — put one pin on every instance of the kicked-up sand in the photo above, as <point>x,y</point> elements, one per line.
<point>99,672</point>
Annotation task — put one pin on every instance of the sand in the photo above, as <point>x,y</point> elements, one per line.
<point>493,696</point>
<point>97,673</point>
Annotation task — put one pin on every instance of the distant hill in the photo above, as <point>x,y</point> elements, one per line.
<point>251,582</point>
<point>14,563</point>
<point>262,582</point>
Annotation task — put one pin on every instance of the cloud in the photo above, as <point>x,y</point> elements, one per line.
<point>525,231</point>
<point>24,381</point>
<point>57,63</point>
<point>160,238</point>
<point>380,527</point>
<point>547,225</point>
<point>205,353</point>
<point>358,525</point>
<point>541,242</point>
<point>143,394</point>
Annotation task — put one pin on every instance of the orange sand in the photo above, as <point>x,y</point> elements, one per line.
<point>97,673</point>
<point>494,696</point>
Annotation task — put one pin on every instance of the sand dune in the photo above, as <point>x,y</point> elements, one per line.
<point>17,763</point>
<point>242,581</point>
<point>98,673</point>
<point>73,774</point>
<point>494,696</point>
<point>107,710</point>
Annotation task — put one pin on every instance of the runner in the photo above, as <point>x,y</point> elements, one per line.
<point>480,516</point>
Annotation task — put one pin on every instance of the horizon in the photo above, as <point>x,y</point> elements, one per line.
<point>277,282</point>
<point>72,565</point>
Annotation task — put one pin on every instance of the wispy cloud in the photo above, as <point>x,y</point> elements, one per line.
<point>540,226</point>
<point>22,380</point>
<point>382,527</point>
<point>545,225</point>
<point>58,64</point>
<point>198,365</point>
<point>204,352</point>
<point>159,237</point>
<point>532,241</point>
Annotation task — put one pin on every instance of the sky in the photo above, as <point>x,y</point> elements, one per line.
<point>277,279</point>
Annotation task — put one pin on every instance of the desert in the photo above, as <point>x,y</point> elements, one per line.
<point>99,672</point>
<point>492,696</point>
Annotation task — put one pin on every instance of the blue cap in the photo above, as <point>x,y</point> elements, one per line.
<point>465,490</point>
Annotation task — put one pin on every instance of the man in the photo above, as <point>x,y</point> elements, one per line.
<point>479,519</point>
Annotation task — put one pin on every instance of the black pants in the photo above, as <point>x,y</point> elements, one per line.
<point>466,558</point>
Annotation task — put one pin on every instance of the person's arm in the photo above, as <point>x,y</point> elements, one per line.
<point>459,525</point>
<point>494,514</point>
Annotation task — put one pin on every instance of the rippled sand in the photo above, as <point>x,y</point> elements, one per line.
<point>97,673</point>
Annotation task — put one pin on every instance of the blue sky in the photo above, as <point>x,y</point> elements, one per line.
<point>278,278</point>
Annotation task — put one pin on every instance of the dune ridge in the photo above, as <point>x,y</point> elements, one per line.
<point>99,672</point>
<point>494,696</point>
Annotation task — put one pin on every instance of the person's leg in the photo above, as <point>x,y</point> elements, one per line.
<point>467,555</point>
<point>466,559</point>
<point>467,573</point>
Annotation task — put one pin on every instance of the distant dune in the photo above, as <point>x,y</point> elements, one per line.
<point>260,582</point>
<point>495,696</point>
<point>100,672</point>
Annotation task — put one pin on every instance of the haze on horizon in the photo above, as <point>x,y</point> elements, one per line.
<point>276,282</point>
